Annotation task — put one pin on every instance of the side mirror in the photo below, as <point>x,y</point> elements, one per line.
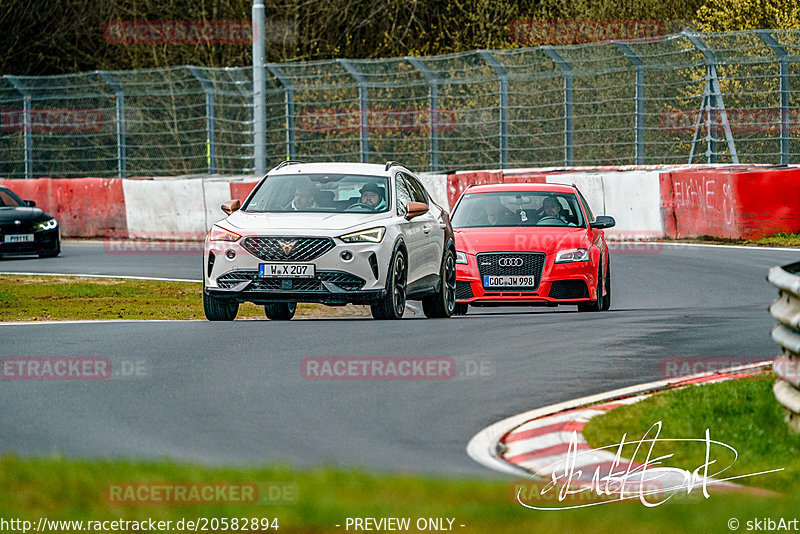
<point>230,206</point>
<point>603,221</point>
<point>30,203</point>
<point>415,209</point>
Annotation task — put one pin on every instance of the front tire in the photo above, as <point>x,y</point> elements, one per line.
<point>280,311</point>
<point>441,305</point>
<point>597,304</point>
<point>217,309</point>
<point>607,297</point>
<point>393,304</point>
<point>460,308</point>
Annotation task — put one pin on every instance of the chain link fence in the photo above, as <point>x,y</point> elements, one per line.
<point>714,97</point>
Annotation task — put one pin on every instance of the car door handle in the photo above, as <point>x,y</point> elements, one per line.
<point>426,228</point>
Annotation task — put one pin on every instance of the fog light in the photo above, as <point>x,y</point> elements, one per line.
<point>230,254</point>
<point>346,255</point>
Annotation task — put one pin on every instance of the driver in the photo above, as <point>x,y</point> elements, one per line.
<point>372,196</point>
<point>551,208</point>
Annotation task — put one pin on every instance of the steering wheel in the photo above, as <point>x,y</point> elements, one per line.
<point>362,205</point>
<point>551,220</point>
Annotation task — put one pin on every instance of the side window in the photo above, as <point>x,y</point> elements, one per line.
<point>403,196</point>
<point>417,191</point>
<point>586,207</point>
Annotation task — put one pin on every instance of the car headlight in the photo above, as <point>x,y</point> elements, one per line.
<point>461,257</point>
<point>46,225</point>
<point>373,235</point>
<point>221,234</point>
<point>572,255</point>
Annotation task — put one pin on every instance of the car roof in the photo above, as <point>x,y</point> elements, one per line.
<point>521,188</point>
<point>369,169</point>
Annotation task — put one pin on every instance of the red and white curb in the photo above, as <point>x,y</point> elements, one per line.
<point>538,442</point>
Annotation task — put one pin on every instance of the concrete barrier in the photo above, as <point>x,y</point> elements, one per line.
<point>722,201</point>
<point>84,207</point>
<point>731,202</point>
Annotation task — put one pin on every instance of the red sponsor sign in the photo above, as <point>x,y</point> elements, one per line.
<point>740,120</point>
<point>378,120</point>
<point>178,32</point>
<point>52,120</point>
<point>582,31</point>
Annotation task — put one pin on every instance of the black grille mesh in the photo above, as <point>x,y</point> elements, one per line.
<point>532,264</point>
<point>346,281</point>
<point>569,289</point>
<point>270,248</point>
<point>463,290</point>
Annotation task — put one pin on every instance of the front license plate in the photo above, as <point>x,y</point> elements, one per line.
<point>509,281</point>
<point>19,238</point>
<point>287,270</point>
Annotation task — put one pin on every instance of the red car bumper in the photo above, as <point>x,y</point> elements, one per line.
<point>563,283</point>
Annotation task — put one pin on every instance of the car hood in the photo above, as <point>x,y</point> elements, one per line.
<point>271,222</point>
<point>25,214</point>
<point>541,239</point>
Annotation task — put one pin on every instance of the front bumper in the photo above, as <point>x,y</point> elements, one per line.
<point>43,242</point>
<point>328,287</point>
<point>564,283</point>
<point>359,279</point>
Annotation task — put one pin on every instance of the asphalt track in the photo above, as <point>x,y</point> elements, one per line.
<point>234,392</point>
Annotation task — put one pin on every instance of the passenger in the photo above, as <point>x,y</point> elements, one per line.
<point>303,198</point>
<point>498,215</point>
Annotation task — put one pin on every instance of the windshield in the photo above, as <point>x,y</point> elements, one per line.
<point>316,193</point>
<point>9,199</point>
<point>517,209</point>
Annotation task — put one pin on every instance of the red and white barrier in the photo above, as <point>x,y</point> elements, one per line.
<point>730,202</point>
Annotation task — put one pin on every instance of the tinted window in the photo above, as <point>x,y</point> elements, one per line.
<point>517,209</point>
<point>320,193</point>
<point>403,196</point>
<point>7,198</point>
<point>586,207</point>
<point>416,189</point>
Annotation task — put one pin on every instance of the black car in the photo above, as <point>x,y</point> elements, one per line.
<point>25,229</point>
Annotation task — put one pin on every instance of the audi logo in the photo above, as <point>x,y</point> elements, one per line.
<point>510,262</point>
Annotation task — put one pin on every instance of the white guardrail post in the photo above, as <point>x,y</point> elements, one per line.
<point>786,310</point>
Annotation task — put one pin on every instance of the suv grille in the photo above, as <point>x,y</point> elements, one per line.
<point>287,248</point>
<point>523,264</point>
<point>345,281</point>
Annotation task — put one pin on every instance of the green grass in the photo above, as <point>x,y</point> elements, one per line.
<point>57,488</point>
<point>43,298</point>
<point>776,240</point>
<point>742,413</point>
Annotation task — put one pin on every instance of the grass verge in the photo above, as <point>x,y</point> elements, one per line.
<point>777,240</point>
<point>60,489</point>
<point>741,413</point>
<point>52,298</point>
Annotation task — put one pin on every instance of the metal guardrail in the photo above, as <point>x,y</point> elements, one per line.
<point>786,310</point>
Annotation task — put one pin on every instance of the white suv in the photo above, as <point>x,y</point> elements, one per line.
<point>334,233</point>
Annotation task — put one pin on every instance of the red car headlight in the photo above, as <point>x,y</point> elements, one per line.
<point>572,255</point>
